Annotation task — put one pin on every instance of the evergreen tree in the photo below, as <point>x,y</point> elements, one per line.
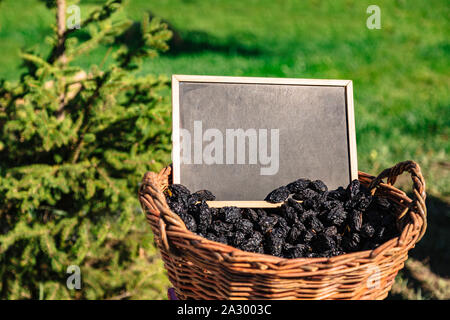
<point>74,144</point>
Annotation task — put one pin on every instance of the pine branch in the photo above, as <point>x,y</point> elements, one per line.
<point>85,125</point>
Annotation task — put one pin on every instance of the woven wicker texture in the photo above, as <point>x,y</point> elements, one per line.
<point>202,269</point>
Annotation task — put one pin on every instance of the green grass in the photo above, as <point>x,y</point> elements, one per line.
<point>400,73</point>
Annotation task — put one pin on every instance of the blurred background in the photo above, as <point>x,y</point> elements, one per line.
<point>401,79</point>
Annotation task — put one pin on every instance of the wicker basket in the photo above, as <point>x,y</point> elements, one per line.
<point>202,269</point>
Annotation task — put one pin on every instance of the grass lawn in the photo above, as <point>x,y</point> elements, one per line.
<point>400,73</point>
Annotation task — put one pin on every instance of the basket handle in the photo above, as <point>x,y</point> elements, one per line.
<point>418,188</point>
<point>153,200</point>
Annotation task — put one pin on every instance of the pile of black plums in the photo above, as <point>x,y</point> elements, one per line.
<point>311,222</point>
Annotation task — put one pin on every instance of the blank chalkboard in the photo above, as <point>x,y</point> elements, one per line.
<point>242,137</point>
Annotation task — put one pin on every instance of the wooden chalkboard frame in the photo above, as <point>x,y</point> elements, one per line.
<point>176,160</point>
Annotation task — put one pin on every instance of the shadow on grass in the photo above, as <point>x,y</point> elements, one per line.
<point>433,249</point>
<point>192,42</point>
<point>197,41</point>
<point>395,296</point>
<point>183,42</point>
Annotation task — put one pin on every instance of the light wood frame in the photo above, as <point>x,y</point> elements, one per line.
<point>176,161</point>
